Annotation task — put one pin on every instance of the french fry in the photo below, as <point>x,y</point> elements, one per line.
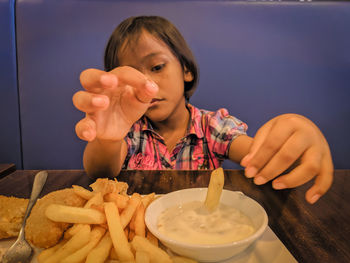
<point>78,256</point>
<point>140,227</point>
<point>82,192</point>
<point>70,214</point>
<point>178,259</point>
<point>151,238</point>
<point>131,235</point>
<point>116,230</point>
<point>46,253</point>
<point>156,254</point>
<point>147,199</point>
<point>216,184</point>
<point>108,207</point>
<point>79,240</point>
<point>72,231</point>
<point>126,231</point>
<point>120,200</point>
<point>112,254</point>
<point>142,257</point>
<point>132,222</point>
<point>98,207</point>
<point>100,253</point>
<point>128,212</point>
<point>97,199</point>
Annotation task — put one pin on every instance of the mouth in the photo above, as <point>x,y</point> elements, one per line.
<point>154,100</point>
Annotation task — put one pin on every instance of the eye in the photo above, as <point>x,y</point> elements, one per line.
<point>158,67</point>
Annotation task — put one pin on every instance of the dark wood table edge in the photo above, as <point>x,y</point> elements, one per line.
<point>6,169</point>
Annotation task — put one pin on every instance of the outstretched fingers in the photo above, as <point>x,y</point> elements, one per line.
<point>309,167</point>
<point>112,101</point>
<point>305,172</point>
<point>285,141</point>
<point>86,129</point>
<point>292,149</point>
<point>323,181</point>
<point>259,138</point>
<point>96,81</point>
<point>268,142</point>
<point>144,89</point>
<point>90,102</point>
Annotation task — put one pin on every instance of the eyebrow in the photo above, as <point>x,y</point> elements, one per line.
<point>150,55</point>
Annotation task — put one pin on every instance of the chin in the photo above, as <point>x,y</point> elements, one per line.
<point>156,115</point>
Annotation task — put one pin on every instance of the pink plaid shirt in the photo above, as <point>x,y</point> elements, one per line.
<point>205,146</point>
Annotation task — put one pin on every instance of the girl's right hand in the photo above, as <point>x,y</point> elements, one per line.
<point>113,101</point>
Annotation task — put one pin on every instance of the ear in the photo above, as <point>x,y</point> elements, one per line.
<point>188,76</point>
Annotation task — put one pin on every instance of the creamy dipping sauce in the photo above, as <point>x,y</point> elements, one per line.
<point>192,223</point>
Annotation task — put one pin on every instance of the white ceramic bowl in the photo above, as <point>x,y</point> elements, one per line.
<point>207,253</point>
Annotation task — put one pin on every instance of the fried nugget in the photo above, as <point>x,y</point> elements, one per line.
<point>12,211</point>
<point>41,231</point>
<point>106,186</point>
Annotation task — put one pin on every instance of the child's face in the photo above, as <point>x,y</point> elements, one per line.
<point>153,58</point>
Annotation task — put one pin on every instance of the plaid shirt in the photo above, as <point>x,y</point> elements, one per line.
<point>205,145</point>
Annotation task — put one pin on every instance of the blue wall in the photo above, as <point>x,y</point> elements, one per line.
<point>256,59</point>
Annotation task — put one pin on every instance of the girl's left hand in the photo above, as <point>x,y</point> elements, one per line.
<point>279,144</point>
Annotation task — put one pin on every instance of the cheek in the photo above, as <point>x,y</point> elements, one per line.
<point>178,82</point>
<point>171,81</point>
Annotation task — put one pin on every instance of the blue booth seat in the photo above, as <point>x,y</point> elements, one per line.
<point>257,59</point>
<point>10,136</point>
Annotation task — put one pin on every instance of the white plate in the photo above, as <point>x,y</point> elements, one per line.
<point>267,249</point>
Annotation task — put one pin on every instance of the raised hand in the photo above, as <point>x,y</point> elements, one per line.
<point>112,101</point>
<point>286,140</point>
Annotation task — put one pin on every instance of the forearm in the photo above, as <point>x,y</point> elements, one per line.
<point>104,158</point>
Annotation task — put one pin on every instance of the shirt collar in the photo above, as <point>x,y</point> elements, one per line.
<point>194,126</point>
<point>146,124</point>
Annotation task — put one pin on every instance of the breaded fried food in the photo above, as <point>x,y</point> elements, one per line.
<point>12,211</point>
<point>106,186</point>
<point>41,231</point>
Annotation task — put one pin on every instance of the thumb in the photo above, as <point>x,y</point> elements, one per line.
<point>258,140</point>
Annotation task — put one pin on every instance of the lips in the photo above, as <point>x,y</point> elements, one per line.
<point>155,100</point>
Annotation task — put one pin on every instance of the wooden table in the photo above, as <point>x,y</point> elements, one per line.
<point>312,233</point>
<point>6,169</point>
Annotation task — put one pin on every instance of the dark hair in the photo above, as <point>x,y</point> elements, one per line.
<point>131,29</point>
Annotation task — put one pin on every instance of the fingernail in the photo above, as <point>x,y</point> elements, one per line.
<point>278,186</point>
<point>151,86</point>
<point>315,198</point>
<point>250,172</point>
<point>260,180</point>
<point>98,101</point>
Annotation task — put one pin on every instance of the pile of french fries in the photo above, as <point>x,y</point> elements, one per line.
<point>109,228</point>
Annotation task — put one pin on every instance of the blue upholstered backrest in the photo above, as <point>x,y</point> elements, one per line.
<point>10,139</point>
<point>257,59</point>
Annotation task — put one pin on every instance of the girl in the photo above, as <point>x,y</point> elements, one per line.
<point>138,116</point>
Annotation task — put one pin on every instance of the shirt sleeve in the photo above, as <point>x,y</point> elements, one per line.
<point>221,130</point>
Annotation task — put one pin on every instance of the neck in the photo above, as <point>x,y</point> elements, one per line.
<point>176,123</point>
